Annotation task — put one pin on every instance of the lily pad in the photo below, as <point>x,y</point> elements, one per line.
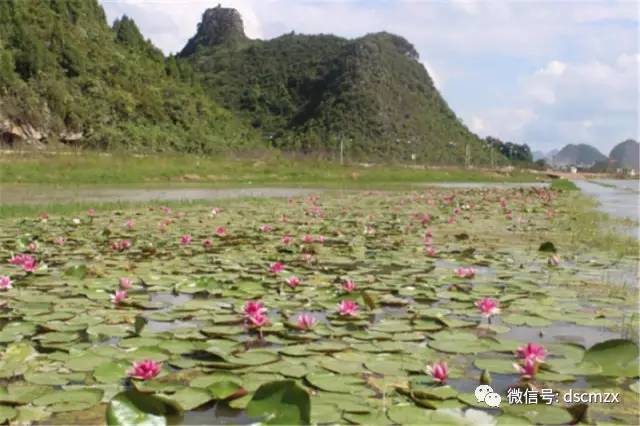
<point>284,403</point>
<point>69,400</point>
<point>134,408</point>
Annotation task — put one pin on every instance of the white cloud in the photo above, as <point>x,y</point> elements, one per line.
<point>477,124</point>
<point>553,68</point>
<point>572,102</point>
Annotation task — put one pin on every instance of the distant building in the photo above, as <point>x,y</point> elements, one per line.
<point>573,170</point>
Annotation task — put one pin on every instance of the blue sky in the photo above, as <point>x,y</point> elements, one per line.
<point>546,73</point>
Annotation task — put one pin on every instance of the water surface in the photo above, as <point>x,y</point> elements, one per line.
<point>44,194</point>
<point>616,197</point>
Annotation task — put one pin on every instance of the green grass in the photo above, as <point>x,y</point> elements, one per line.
<point>582,224</point>
<point>270,169</point>
<point>563,185</point>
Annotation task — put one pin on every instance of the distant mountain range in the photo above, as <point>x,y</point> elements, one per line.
<point>578,155</point>
<point>624,155</point>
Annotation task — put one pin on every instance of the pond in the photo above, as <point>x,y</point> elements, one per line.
<point>45,194</point>
<point>616,197</point>
<point>391,280</point>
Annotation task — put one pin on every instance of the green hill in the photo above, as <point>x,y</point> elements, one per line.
<point>314,92</point>
<point>66,76</point>
<point>626,155</point>
<point>578,155</point>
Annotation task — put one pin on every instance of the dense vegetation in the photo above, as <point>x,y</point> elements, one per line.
<point>64,71</point>
<point>319,93</point>
<point>581,154</point>
<point>511,150</point>
<point>66,76</point>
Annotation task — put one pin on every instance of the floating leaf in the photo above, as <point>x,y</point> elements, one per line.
<point>69,400</point>
<point>617,357</point>
<point>282,402</point>
<point>135,408</point>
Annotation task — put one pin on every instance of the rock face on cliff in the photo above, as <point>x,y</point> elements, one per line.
<point>219,26</point>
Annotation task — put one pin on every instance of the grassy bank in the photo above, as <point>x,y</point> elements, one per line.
<point>563,185</point>
<point>267,170</point>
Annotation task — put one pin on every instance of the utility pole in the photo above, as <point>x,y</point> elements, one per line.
<point>467,157</point>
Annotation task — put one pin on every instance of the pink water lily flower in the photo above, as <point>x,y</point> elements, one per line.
<point>126,283</point>
<point>185,239</point>
<point>293,281</point>
<point>348,308</point>
<point>431,252</point>
<point>220,231</point>
<point>465,272</point>
<point>207,243</point>
<point>257,320</point>
<point>18,259</point>
<point>528,369</point>
<point>532,351</point>
<point>129,224</point>
<point>91,212</point>
<point>28,263</point>
<point>32,247</point>
<point>265,228</point>
<point>5,282</point>
<point>254,307</point>
<point>428,234</point>
<point>488,307</point>
<point>121,245</point>
<point>60,241</point>
<point>119,296</point>
<point>286,240</point>
<point>348,286</point>
<point>145,370</point>
<point>307,239</point>
<point>439,371</point>
<point>276,267</point>
<point>306,321</point>
<point>452,220</point>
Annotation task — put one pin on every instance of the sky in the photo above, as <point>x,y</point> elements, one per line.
<point>545,73</point>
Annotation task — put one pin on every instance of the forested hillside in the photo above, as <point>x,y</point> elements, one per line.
<point>316,92</point>
<point>66,76</point>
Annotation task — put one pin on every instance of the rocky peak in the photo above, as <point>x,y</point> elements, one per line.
<point>219,25</point>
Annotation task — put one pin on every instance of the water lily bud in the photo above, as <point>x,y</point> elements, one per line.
<point>485,377</point>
